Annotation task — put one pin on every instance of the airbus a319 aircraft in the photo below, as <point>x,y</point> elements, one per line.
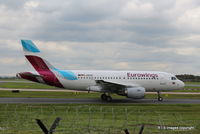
<point>132,84</point>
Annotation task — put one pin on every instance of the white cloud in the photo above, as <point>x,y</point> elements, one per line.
<point>189,20</point>
<point>31,4</point>
<point>10,44</point>
<point>135,9</point>
<point>12,61</point>
<point>102,34</point>
<point>122,65</point>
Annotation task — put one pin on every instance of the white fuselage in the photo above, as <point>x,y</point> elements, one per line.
<point>150,80</point>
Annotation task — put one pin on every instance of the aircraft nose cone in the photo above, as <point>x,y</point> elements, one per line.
<point>182,85</point>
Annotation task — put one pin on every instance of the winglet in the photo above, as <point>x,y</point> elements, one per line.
<point>28,45</point>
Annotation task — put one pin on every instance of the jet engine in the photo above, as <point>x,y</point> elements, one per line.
<point>135,92</point>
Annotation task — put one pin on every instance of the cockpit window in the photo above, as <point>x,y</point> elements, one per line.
<point>173,78</point>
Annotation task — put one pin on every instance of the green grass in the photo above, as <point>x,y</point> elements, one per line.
<point>12,79</point>
<point>174,96</point>
<point>22,85</point>
<point>191,87</point>
<point>186,90</point>
<point>94,118</point>
<point>45,94</point>
<point>99,118</point>
<point>195,83</point>
<point>18,85</point>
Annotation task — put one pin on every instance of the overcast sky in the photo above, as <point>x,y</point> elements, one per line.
<point>161,35</point>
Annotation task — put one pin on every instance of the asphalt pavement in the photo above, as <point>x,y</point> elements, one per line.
<point>95,101</point>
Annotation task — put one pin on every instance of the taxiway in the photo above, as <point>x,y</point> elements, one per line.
<point>95,101</point>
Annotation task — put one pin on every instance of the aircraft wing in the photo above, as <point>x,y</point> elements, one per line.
<point>113,86</point>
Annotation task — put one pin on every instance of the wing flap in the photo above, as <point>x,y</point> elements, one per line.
<point>116,84</point>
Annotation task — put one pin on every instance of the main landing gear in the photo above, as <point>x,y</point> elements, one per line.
<point>159,97</point>
<point>106,98</point>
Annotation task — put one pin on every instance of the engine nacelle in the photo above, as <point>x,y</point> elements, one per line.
<point>135,92</point>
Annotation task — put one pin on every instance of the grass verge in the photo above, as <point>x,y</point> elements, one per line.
<point>18,85</point>
<point>45,94</point>
<point>99,118</point>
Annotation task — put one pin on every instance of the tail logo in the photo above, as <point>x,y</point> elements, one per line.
<point>28,45</point>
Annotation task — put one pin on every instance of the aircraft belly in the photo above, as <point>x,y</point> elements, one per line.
<point>77,84</point>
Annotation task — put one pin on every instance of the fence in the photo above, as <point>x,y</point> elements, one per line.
<point>90,119</point>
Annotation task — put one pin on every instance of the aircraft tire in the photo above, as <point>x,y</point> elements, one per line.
<point>160,99</point>
<point>104,97</point>
<point>108,99</point>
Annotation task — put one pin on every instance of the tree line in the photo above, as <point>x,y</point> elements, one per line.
<point>188,77</point>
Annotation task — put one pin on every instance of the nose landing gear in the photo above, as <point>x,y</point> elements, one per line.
<point>159,97</point>
<point>106,98</point>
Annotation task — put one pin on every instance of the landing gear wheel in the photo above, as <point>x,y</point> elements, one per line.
<point>160,99</point>
<point>104,97</point>
<point>108,99</point>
